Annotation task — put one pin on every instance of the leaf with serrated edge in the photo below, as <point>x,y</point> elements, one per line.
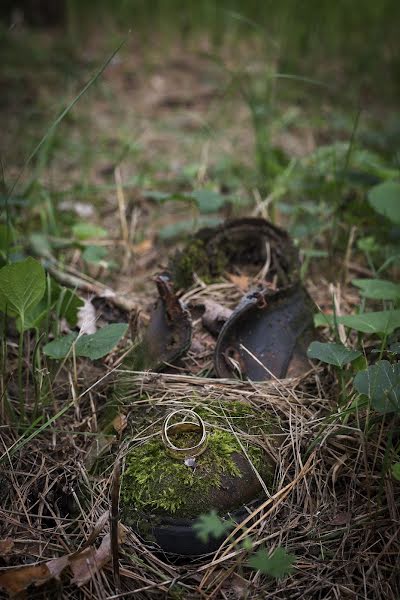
<point>211,525</point>
<point>278,564</point>
<point>22,286</point>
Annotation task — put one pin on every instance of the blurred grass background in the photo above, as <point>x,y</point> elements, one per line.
<point>359,35</point>
<point>239,90</point>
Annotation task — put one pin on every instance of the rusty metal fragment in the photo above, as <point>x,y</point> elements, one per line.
<point>251,242</point>
<point>249,245</point>
<point>169,333</point>
<point>267,335</point>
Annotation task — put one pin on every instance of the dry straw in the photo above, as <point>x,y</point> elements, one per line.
<point>330,505</point>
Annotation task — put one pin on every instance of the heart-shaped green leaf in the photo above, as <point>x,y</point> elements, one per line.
<point>332,354</point>
<point>381,383</point>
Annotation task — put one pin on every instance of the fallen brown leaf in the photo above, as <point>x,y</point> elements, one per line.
<point>17,579</point>
<point>84,565</point>
<point>88,562</point>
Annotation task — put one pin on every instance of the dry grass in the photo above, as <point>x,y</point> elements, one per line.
<point>331,505</point>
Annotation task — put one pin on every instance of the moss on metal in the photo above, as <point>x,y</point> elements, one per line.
<point>154,482</point>
<point>194,258</point>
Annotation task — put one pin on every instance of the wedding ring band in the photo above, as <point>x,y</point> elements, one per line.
<point>196,424</point>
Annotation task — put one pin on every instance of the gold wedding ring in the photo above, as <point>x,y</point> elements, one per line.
<point>195,424</point>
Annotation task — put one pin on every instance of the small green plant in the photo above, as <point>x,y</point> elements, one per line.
<point>277,564</point>
<point>211,526</point>
<point>22,286</point>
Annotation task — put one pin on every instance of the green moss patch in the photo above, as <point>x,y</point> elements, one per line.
<point>195,259</point>
<point>156,482</point>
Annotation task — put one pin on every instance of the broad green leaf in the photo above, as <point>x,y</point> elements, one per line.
<point>88,231</point>
<point>92,346</point>
<point>99,344</point>
<point>323,320</point>
<point>94,254</point>
<point>332,354</point>
<point>385,321</point>
<point>211,525</point>
<point>378,289</point>
<point>277,565</point>
<point>385,199</point>
<point>22,286</point>
<point>381,383</point>
<point>60,347</point>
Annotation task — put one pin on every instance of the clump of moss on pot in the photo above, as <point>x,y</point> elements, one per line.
<point>153,481</point>
<point>194,258</point>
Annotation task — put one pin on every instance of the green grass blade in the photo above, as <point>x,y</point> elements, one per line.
<point>63,114</point>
